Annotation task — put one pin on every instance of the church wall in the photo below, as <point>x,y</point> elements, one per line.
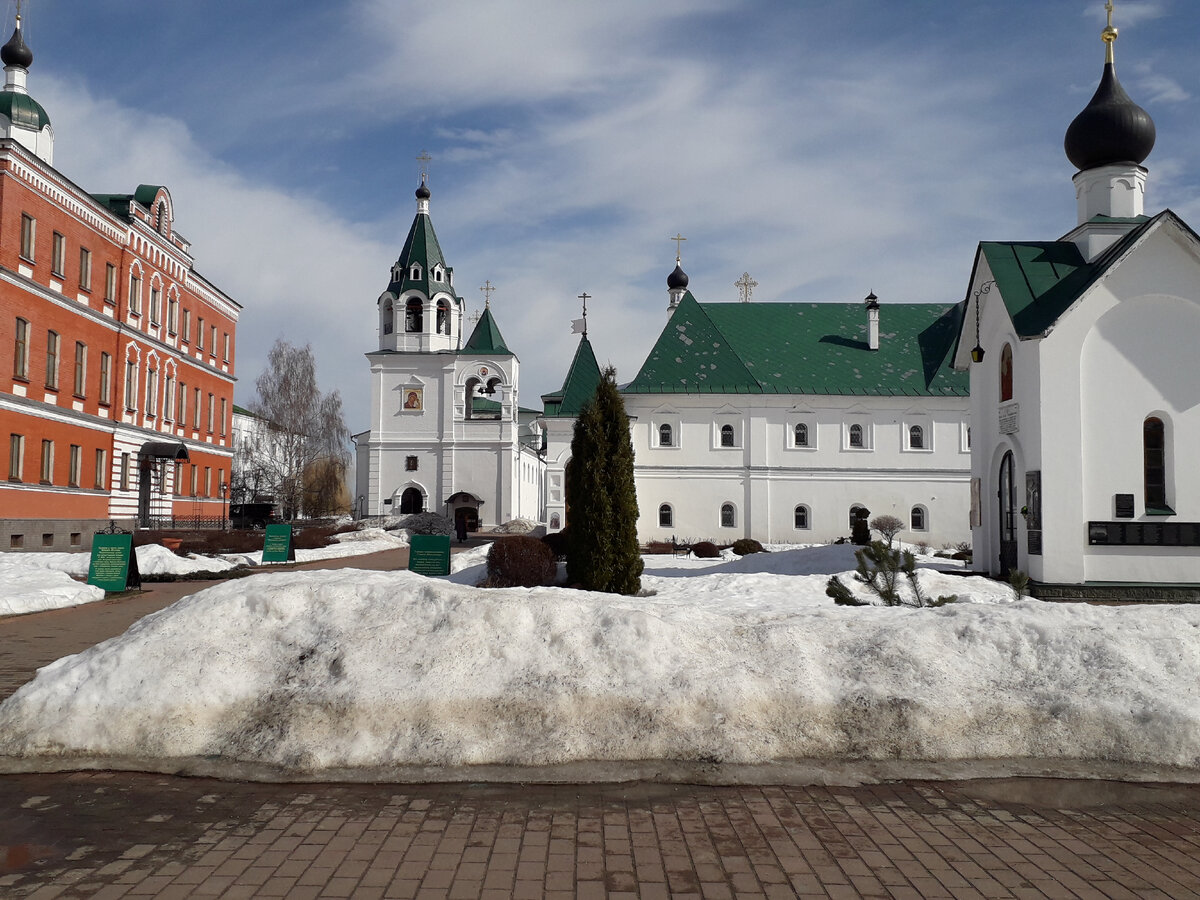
<point>765,476</point>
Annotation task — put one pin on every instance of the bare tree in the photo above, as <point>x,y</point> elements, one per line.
<point>304,425</point>
<point>888,526</point>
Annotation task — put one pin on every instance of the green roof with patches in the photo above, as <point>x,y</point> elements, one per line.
<point>1041,280</point>
<point>486,338</point>
<point>421,247</point>
<point>23,111</point>
<point>803,348</point>
<point>578,387</point>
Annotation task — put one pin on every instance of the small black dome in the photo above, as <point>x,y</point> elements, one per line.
<point>1111,128</point>
<point>423,192</point>
<point>15,52</point>
<point>677,280</point>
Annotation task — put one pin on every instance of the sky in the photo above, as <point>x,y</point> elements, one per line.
<point>828,149</point>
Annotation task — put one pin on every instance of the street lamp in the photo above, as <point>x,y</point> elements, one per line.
<point>223,487</point>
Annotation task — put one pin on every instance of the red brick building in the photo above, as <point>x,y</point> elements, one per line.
<point>116,356</point>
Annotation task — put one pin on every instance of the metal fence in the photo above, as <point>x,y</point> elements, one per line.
<point>179,523</point>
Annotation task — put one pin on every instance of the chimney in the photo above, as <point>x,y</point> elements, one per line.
<point>872,321</point>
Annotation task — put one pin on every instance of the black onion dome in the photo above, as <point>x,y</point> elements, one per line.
<point>16,52</point>
<point>1111,128</point>
<point>423,192</point>
<point>677,280</point>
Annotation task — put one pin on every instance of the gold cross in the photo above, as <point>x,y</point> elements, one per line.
<point>745,286</point>
<point>678,239</point>
<point>1108,6</point>
<point>1109,36</point>
<point>423,165</point>
<point>487,289</point>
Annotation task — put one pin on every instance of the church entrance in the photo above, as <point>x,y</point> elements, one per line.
<point>1008,517</point>
<point>411,501</point>
<point>464,509</point>
<point>466,517</point>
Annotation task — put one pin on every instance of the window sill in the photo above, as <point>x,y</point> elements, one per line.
<point>14,480</point>
<point>1159,511</point>
<point>27,259</point>
<point>21,379</point>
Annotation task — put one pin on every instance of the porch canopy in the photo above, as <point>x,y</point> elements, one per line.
<point>463,497</point>
<point>165,450</point>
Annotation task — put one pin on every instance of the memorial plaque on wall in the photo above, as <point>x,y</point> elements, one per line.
<point>1144,534</point>
<point>1010,418</point>
<point>1123,506</point>
<point>1035,542</point>
<point>1033,502</point>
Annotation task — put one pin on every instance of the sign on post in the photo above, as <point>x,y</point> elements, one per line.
<point>429,554</point>
<point>113,566</point>
<point>277,544</point>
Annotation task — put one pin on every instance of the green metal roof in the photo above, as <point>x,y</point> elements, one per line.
<point>23,110</point>
<point>578,387</point>
<point>486,338</point>
<point>803,348</point>
<point>422,247</point>
<point>1040,280</point>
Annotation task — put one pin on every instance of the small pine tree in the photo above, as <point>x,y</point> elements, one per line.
<point>602,546</point>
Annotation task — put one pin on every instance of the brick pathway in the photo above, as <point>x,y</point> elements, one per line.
<point>102,835</point>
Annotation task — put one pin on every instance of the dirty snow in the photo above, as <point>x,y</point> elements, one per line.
<point>742,661</point>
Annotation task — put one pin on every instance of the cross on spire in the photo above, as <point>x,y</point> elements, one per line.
<point>475,317</point>
<point>745,286</point>
<point>678,239</point>
<point>487,289</point>
<point>1109,35</point>
<point>423,165</point>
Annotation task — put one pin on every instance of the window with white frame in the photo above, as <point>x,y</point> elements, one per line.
<point>855,437</point>
<point>80,368</point>
<point>58,255</point>
<point>800,436</point>
<point>135,295</point>
<point>666,516</point>
<point>28,236</point>
<point>53,343</point>
<point>727,437</point>
<point>801,518</point>
<point>130,384</point>
<point>105,378</point>
<point>916,437</point>
<point>21,350</point>
<point>918,519</point>
<point>666,435</point>
<point>85,269</point>
<point>728,515</point>
<point>16,456</point>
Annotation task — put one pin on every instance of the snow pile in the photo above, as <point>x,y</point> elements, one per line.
<point>515,526</point>
<point>34,589</point>
<point>357,543</point>
<point>155,559</point>
<point>315,670</point>
<point>397,538</point>
<point>428,523</point>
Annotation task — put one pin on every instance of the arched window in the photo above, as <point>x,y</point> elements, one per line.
<point>469,394</point>
<point>916,518</point>
<point>726,435</point>
<point>728,515</point>
<point>801,518</point>
<point>412,316</point>
<point>801,434</point>
<point>1006,373</point>
<point>857,511</point>
<point>387,317</point>
<point>1154,444</point>
<point>555,521</point>
<point>664,435</point>
<point>856,436</point>
<point>666,516</point>
<point>414,272</point>
<point>443,317</point>
<point>916,437</point>
<point>411,501</point>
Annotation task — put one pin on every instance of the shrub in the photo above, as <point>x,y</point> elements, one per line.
<point>880,568</point>
<point>557,542</point>
<point>660,548</point>
<point>888,526</point>
<point>706,550</point>
<point>520,562</point>
<point>746,546</point>
<point>1019,582</point>
<point>428,523</point>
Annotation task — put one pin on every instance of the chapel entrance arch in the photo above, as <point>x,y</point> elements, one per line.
<point>1008,516</point>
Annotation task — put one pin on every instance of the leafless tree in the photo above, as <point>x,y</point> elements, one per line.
<point>304,426</point>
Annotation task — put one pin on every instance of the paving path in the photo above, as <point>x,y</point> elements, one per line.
<point>101,835</point>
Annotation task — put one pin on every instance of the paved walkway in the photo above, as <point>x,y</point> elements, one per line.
<point>117,834</point>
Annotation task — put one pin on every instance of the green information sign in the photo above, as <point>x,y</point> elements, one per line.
<point>277,545</point>
<point>429,554</point>
<point>114,564</point>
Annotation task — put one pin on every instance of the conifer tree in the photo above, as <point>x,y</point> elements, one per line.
<point>602,545</point>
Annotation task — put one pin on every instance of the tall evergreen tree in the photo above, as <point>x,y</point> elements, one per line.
<point>602,545</point>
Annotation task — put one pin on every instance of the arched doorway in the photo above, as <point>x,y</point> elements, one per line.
<point>1008,516</point>
<point>411,501</point>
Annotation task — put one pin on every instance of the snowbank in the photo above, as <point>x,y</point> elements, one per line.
<point>352,543</point>
<point>308,671</point>
<point>34,589</point>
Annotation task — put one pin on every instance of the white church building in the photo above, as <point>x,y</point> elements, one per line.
<point>776,421</point>
<point>1085,379</point>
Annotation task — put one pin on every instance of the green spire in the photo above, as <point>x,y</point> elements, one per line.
<point>486,338</point>
<point>421,247</point>
<point>578,387</point>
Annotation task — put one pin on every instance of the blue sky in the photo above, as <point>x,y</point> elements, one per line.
<point>830,149</point>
